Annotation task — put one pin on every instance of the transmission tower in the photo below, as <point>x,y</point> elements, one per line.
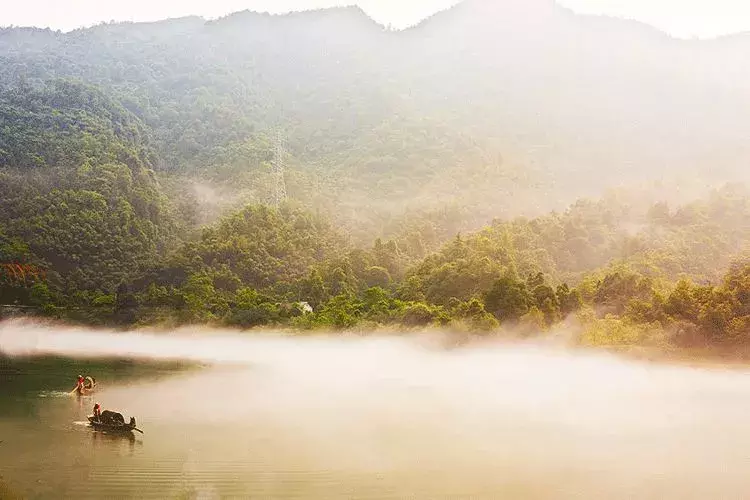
<point>277,175</point>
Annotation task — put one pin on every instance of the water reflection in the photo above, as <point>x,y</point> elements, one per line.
<point>99,439</point>
<point>84,403</point>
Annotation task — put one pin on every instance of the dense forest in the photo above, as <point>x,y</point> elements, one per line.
<point>137,184</point>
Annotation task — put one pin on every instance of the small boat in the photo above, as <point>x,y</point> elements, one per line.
<point>113,423</point>
<point>83,392</point>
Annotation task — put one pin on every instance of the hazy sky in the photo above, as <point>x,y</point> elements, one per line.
<point>684,18</point>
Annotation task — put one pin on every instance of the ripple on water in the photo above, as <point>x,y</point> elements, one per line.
<point>228,480</point>
<point>54,394</point>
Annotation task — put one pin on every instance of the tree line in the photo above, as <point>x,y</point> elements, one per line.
<point>82,197</point>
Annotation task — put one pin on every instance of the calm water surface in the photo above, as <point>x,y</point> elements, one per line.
<point>372,421</point>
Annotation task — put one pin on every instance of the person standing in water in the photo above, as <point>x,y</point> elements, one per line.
<point>79,385</point>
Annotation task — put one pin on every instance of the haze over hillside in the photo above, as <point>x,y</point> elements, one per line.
<point>457,108</point>
<point>129,155</point>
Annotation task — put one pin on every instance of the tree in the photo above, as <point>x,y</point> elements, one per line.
<point>377,276</point>
<point>125,304</point>
<point>508,299</point>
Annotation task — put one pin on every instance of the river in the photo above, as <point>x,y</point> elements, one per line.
<point>375,417</point>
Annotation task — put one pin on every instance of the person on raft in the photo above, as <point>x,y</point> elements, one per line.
<point>97,412</point>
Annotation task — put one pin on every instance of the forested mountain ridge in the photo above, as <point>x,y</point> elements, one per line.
<point>136,169</point>
<point>521,98</point>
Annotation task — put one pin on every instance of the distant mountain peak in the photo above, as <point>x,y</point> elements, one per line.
<point>489,12</point>
<point>351,12</point>
<point>524,5</point>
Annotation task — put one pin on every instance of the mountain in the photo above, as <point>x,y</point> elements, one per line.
<point>137,169</point>
<point>504,107</point>
<point>587,96</point>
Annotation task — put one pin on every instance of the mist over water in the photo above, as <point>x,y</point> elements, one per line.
<point>383,417</point>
